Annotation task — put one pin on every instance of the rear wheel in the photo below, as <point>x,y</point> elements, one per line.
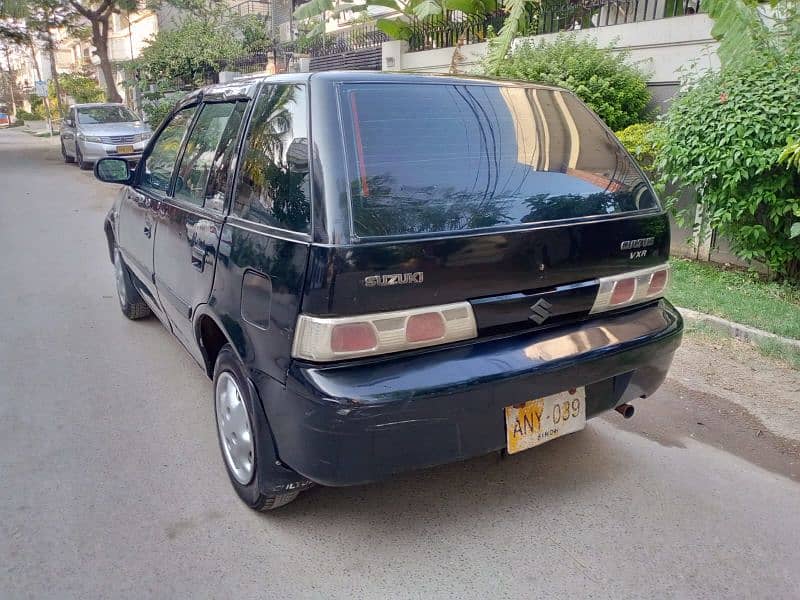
<point>130,301</point>
<point>234,409</point>
<point>67,157</point>
<point>82,164</point>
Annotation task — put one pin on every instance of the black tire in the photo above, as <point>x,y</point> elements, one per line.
<point>130,301</point>
<point>82,164</point>
<point>250,492</point>
<point>67,158</point>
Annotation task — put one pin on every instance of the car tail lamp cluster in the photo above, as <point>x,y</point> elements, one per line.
<point>326,339</point>
<point>629,288</point>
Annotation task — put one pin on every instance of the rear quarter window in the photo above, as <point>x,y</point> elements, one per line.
<point>431,158</point>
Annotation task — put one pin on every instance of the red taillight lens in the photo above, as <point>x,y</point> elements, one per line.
<point>338,338</point>
<point>623,291</point>
<point>425,327</point>
<point>657,283</point>
<point>629,288</point>
<point>353,337</point>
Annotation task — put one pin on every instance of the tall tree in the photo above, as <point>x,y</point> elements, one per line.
<point>98,13</point>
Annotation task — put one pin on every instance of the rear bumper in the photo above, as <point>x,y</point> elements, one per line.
<point>357,423</point>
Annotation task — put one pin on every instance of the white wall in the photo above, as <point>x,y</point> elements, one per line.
<point>663,47</point>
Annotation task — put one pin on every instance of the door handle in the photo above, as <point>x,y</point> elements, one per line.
<point>198,257</point>
<point>148,230</point>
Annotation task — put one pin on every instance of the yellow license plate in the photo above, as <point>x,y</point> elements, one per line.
<point>124,149</point>
<point>538,421</point>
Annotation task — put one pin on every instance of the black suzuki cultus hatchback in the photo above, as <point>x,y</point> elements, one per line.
<point>385,272</point>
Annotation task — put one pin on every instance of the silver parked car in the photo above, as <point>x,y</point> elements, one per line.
<point>94,131</point>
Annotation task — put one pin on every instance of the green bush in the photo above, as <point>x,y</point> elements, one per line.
<point>639,140</point>
<point>188,53</point>
<point>614,89</point>
<point>24,115</point>
<point>157,110</point>
<point>80,87</point>
<point>724,137</point>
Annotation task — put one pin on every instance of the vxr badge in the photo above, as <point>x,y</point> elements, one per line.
<point>541,311</point>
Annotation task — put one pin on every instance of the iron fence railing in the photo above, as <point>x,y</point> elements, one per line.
<point>356,38</point>
<point>253,7</point>
<point>249,63</point>
<point>446,32</point>
<point>587,14</point>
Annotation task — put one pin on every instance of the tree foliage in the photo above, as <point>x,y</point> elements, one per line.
<point>513,24</point>
<point>724,137</point>
<point>639,140</point>
<point>747,27</point>
<point>315,12</point>
<point>188,53</point>
<point>81,88</point>
<point>614,89</point>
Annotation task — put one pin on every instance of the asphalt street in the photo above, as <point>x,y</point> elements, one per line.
<point>112,485</point>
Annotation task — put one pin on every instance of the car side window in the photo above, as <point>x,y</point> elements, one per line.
<point>273,185</point>
<point>203,170</point>
<point>212,133</point>
<point>160,163</point>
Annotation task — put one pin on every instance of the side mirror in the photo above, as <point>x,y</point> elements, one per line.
<point>69,122</point>
<point>112,170</point>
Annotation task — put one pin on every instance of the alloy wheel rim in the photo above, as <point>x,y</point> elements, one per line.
<point>233,423</point>
<point>119,276</point>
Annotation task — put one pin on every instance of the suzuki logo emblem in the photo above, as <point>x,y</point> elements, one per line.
<point>541,311</point>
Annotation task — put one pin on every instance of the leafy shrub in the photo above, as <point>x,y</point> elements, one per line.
<point>80,87</point>
<point>24,115</point>
<point>188,53</point>
<point>639,140</point>
<point>723,137</point>
<point>791,158</point>
<point>791,154</point>
<point>156,110</point>
<point>614,89</point>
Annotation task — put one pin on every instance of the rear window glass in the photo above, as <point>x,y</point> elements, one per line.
<point>105,114</point>
<point>439,158</point>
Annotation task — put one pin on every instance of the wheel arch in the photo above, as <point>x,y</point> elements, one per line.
<point>211,335</point>
<point>108,227</point>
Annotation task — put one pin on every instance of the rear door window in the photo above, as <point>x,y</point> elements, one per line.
<point>429,158</point>
<point>273,186</point>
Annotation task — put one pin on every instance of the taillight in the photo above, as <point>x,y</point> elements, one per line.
<point>631,288</point>
<point>353,337</point>
<point>327,339</point>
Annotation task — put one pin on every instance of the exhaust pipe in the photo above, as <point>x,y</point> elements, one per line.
<point>626,410</point>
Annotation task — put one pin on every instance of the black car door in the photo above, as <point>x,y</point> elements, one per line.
<point>190,221</point>
<point>142,201</point>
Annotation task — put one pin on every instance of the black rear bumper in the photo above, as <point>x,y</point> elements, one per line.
<point>360,422</point>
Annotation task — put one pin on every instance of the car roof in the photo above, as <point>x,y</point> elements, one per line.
<point>94,104</point>
<point>246,86</point>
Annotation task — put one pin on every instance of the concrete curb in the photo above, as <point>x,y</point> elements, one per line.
<point>39,133</point>
<point>737,330</point>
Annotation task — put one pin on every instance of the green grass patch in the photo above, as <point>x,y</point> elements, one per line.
<point>742,297</point>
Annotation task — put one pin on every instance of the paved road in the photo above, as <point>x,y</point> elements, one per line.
<point>111,484</point>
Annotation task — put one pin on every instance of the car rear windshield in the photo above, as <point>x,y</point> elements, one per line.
<point>105,114</point>
<point>426,158</point>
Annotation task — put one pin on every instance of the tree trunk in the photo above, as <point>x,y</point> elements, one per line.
<point>32,48</point>
<point>100,41</point>
<point>12,79</point>
<point>54,71</point>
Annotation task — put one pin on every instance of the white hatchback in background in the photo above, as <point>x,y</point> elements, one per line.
<point>94,131</point>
